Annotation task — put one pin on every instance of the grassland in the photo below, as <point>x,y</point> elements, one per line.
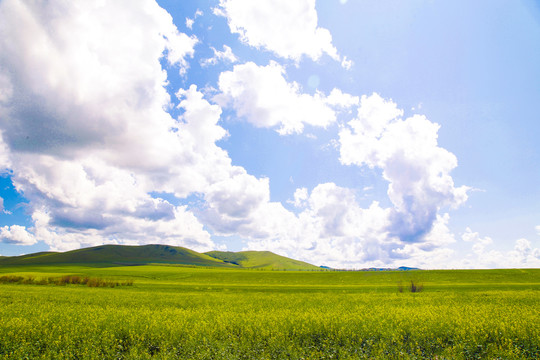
<point>121,255</point>
<point>260,260</point>
<point>218,313</point>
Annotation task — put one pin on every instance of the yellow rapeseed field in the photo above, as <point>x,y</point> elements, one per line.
<point>189,313</point>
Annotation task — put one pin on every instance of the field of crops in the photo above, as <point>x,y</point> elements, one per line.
<point>196,313</point>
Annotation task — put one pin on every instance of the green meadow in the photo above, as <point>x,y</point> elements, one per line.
<point>181,312</point>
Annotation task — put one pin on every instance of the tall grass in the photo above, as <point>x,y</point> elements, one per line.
<point>64,280</point>
<point>179,313</point>
<point>413,287</point>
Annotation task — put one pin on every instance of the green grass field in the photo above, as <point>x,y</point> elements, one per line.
<point>176,312</point>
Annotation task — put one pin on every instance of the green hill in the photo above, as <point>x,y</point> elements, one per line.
<point>261,260</point>
<point>118,255</point>
<point>123,255</point>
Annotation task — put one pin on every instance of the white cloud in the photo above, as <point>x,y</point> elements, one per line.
<point>17,235</point>
<point>234,200</point>
<point>190,22</point>
<point>87,202</point>
<point>5,157</point>
<point>79,70</point>
<point>346,63</point>
<point>262,96</point>
<point>92,140</point>
<point>432,252</point>
<point>85,130</point>
<point>331,229</point>
<point>523,255</point>
<point>417,169</point>
<point>179,46</point>
<point>341,100</point>
<point>220,56</point>
<point>300,197</point>
<point>287,28</point>
<point>480,243</point>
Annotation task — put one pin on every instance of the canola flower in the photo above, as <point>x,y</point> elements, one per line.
<point>197,314</point>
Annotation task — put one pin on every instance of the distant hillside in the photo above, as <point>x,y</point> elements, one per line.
<point>261,260</point>
<point>122,255</point>
<point>115,255</point>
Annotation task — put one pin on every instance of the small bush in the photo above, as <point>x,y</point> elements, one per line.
<point>415,287</point>
<point>64,280</point>
<point>11,279</point>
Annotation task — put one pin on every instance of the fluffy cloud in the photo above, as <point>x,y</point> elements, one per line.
<point>262,96</point>
<point>340,100</point>
<point>17,235</point>
<point>84,127</point>
<point>86,134</point>
<point>417,169</point>
<point>287,28</point>
<point>432,251</point>
<point>5,158</point>
<point>88,202</point>
<point>233,201</point>
<point>190,22</point>
<point>522,255</point>
<point>241,206</point>
<point>479,243</point>
<point>330,229</point>
<point>300,197</point>
<point>77,72</point>
<point>220,56</point>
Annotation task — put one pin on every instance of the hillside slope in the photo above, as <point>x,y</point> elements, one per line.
<point>261,260</point>
<point>122,255</point>
<point>114,255</point>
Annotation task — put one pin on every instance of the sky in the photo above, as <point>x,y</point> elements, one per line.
<point>345,133</point>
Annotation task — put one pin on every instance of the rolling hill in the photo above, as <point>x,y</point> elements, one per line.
<point>261,260</point>
<point>115,255</point>
<point>124,255</point>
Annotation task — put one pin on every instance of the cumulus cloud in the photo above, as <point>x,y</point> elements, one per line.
<point>522,255</point>
<point>331,228</point>
<point>287,28</point>
<point>16,235</point>
<point>5,158</point>
<point>89,139</point>
<point>86,135</point>
<point>242,207</point>
<point>479,243</point>
<point>190,22</point>
<point>340,100</point>
<point>233,201</point>
<point>300,197</point>
<point>84,127</point>
<point>262,96</point>
<point>220,56</point>
<point>417,169</point>
<point>77,71</point>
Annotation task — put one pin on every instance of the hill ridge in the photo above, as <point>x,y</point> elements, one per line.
<point>261,260</point>
<point>124,255</point>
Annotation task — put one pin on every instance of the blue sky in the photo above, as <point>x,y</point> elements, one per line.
<point>343,133</point>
